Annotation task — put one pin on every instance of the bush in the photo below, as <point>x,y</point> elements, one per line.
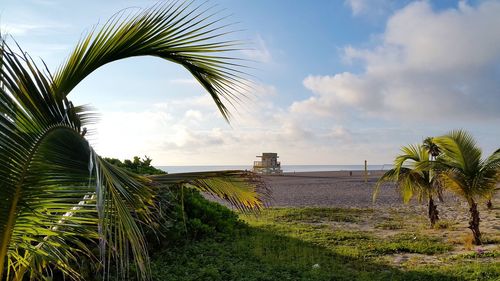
<point>188,216</point>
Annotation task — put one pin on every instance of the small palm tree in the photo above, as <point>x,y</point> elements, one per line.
<point>490,196</point>
<point>413,177</point>
<point>466,174</point>
<point>58,198</point>
<point>434,152</point>
<point>431,147</point>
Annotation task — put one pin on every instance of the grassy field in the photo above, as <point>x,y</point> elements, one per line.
<point>335,244</point>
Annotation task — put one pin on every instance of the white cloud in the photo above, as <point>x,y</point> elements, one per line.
<point>20,28</point>
<point>341,133</point>
<point>372,7</point>
<point>260,52</point>
<point>429,65</point>
<point>192,132</point>
<point>194,115</point>
<point>30,28</point>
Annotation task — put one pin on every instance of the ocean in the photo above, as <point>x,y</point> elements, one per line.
<point>286,168</point>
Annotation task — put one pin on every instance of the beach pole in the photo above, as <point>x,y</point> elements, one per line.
<point>366,172</point>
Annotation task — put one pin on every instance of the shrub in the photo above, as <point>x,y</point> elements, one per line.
<point>188,216</point>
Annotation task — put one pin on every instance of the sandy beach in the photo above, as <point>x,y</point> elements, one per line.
<point>329,189</point>
<point>340,189</point>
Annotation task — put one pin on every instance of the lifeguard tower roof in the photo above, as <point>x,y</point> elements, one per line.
<point>268,155</point>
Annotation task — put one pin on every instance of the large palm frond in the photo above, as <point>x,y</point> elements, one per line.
<point>57,196</point>
<point>183,32</point>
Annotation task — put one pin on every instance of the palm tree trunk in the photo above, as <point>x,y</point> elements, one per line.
<point>489,204</point>
<point>474,222</point>
<point>433,212</point>
<point>440,194</point>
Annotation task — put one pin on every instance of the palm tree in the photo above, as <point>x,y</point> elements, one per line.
<point>60,200</point>
<point>413,177</point>
<point>431,147</point>
<point>490,196</point>
<point>434,152</point>
<point>466,174</point>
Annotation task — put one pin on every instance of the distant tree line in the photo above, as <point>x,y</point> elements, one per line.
<point>136,165</point>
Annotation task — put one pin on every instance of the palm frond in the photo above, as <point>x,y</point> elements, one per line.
<point>124,201</point>
<point>460,151</point>
<point>410,173</point>
<point>463,171</point>
<point>244,190</point>
<point>389,176</point>
<point>182,32</point>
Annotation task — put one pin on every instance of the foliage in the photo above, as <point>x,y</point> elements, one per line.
<point>136,165</point>
<point>286,243</point>
<point>188,216</point>
<point>430,145</point>
<point>465,173</point>
<point>242,189</point>
<point>413,174</point>
<point>59,200</point>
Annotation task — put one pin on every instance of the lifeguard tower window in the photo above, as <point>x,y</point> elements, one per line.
<point>268,165</point>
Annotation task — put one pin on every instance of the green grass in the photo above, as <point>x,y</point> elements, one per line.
<point>318,244</point>
<point>315,215</point>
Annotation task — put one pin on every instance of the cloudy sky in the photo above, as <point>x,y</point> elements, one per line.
<point>337,82</point>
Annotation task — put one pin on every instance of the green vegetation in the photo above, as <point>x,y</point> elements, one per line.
<point>60,202</point>
<point>136,165</point>
<point>463,172</point>
<point>414,176</point>
<point>312,244</point>
<point>68,213</point>
<point>452,162</point>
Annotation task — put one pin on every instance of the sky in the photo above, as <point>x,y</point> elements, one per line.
<point>335,82</point>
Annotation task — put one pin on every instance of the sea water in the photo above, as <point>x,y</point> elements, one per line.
<point>285,168</point>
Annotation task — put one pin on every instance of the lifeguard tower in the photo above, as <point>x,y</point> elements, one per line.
<point>268,165</point>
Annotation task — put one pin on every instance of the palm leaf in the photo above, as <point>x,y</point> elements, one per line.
<point>178,31</point>
<point>410,173</point>
<point>244,190</point>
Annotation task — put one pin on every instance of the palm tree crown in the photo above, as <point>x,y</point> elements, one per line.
<point>431,147</point>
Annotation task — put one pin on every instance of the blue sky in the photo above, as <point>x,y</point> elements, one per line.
<point>337,82</point>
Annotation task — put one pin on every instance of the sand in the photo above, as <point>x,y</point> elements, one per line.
<point>340,189</point>
<point>329,189</point>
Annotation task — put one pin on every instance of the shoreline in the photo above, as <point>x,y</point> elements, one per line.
<point>285,168</point>
<point>335,174</point>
